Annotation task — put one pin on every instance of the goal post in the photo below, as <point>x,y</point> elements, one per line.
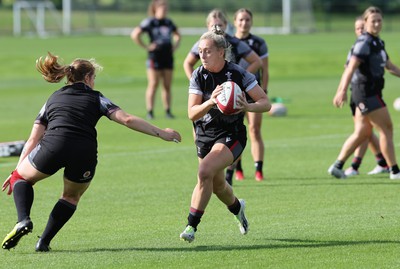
<point>280,17</point>
<point>40,17</point>
<point>36,14</point>
<point>297,17</point>
<point>66,17</point>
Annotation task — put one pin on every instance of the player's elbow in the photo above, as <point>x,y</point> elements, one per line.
<point>128,120</point>
<point>123,118</point>
<point>264,105</point>
<point>188,68</point>
<point>191,116</point>
<point>259,63</point>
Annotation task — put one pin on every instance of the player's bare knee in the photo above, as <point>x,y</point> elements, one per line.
<point>204,174</point>
<point>220,188</point>
<point>71,198</point>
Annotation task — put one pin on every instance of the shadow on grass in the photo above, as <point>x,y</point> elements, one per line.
<point>283,243</point>
<point>318,181</point>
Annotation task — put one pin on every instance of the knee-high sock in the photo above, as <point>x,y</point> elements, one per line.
<point>60,214</point>
<point>23,199</point>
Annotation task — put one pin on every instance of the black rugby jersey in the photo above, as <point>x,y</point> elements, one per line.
<point>204,82</point>
<point>259,46</point>
<point>370,50</point>
<point>160,32</point>
<point>73,112</point>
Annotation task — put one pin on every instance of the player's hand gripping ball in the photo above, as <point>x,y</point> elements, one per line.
<point>227,99</point>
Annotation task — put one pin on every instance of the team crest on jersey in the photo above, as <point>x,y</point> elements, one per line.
<point>251,42</point>
<point>86,174</point>
<point>228,76</point>
<point>362,107</point>
<point>164,31</point>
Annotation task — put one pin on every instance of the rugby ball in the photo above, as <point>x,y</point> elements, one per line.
<point>278,110</point>
<point>396,104</point>
<point>226,100</point>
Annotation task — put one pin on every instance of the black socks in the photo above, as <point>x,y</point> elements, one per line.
<point>60,214</point>
<point>235,207</point>
<point>23,199</point>
<point>194,217</point>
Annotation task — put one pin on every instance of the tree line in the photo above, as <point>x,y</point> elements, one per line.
<point>323,6</point>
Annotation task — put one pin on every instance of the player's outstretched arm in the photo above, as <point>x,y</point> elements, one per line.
<point>140,125</point>
<point>392,68</point>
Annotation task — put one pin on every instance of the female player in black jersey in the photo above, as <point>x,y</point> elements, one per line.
<point>240,50</point>
<point>220,139</point>
<point>365,72</point>
<point>373,141</point>
<point>243,21</point>
<point>64,136</point>
<point>164,40</point>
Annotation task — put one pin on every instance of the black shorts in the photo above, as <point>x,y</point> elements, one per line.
<point>78,158</point>
<point>352,107</point>
<point>159,62</point>
<point>235,142</point>
<point>365,101</point>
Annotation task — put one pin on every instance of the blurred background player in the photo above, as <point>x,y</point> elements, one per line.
<point>164,40</point>
<point>220,139</point>
<point>365,71</point>
<point>373,141</point>
<point>243,21</point>
<point>240,50</point>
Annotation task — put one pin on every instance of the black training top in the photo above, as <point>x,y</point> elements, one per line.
<point>258,45</point>
<point>204,82</point>
<point>370,50</point>
<point>160,32</point>
<point>73,112</point>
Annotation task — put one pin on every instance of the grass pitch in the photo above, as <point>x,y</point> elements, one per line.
<point>137,205</point>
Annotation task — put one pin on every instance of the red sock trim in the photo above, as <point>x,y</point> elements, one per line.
<point>15,176</point>
<point>196,211</point>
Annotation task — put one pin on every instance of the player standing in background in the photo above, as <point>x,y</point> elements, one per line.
<point>365,72</point>
<point>240,50</point>
<point>373,141</point>
<point>64,136</point>
<point>243,21</point>
<point>220,139</point>
<point>164,40</point>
